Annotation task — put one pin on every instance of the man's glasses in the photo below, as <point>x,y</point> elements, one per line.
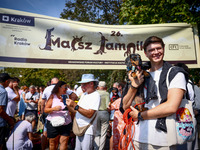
<point>159,49</point>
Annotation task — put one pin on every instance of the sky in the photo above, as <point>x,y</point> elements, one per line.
<point>51,8</point>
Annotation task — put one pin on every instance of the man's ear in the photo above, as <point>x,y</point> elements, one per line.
<point>7,82</point>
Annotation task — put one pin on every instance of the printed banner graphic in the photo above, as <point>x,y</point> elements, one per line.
<point>30,40</point>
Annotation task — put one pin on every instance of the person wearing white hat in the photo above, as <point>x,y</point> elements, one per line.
<point>86,110</point>
<point>103,117</point>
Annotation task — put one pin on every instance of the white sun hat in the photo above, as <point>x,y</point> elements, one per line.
<point>88,78</point>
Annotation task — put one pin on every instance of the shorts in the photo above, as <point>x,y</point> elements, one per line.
<point>2,135</point>
<point>52,132</point>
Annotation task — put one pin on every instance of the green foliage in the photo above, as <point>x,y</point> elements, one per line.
<point>109,76</point>
<point>93,11</point>
<point>195,76</point>
<point>162,11</point>
<point>40,77</point>
<point>29,76</point>
<point>159,11</point>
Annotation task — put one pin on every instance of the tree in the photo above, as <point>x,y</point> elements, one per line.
<point>40,77</point>
<point>33,76</point>
<point>93,11</point>
<point>113,12</point>
<point>109,76</point>
<point>162,11</point>
<point>159,11</point>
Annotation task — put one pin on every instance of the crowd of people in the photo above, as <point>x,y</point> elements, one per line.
<point>26,108</point>
<point>88,115</point>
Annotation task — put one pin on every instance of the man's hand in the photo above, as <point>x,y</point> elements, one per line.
<point>136,82</point>
<point>15,86</point>
<point>70,103</point>
<point>134,113</point>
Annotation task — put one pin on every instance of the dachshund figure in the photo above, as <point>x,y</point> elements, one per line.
<point>134,63</point>
<point>48,40</point>
<point>103,42</point>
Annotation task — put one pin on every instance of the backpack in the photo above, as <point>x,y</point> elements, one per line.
<point>196,104</point>
<point>196,98</point>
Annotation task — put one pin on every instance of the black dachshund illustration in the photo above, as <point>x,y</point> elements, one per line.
<point>102,47</point>
<point>48,40</point>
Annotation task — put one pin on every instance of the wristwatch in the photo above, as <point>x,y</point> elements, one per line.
<point>76,107</point>
<point>140,117</point>
<point>133,87</point>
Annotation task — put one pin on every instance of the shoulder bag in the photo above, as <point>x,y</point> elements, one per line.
<point>181,125</point>
<point>80,131</point>
<point>57,121</point>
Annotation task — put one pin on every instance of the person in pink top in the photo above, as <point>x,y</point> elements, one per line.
<point>56,109</point>
<point>118,124</point>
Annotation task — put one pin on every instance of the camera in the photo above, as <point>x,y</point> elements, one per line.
<point>31,98</point>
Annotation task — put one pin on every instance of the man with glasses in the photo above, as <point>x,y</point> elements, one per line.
<point>161,101</point>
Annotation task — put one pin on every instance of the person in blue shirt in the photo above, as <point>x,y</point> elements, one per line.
<point>4,118</point>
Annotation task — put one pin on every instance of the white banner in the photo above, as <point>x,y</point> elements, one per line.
<point>35,41</point>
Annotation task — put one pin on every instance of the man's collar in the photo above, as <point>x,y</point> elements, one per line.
<point>1,85</point>
<point>86,93</point>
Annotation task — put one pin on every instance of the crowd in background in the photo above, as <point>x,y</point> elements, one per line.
<point>27,106</point>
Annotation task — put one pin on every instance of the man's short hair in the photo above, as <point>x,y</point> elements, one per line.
<point>116,84</point>
<point>4,77</point>
<point>15,79</point>
<point>32,87</point>
<point>30,116</point>
<point>153,39</point>
<point>102,84</point>
<point>54,80</point>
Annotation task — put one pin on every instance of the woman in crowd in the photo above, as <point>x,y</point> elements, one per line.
<point>58,131</point>
<point>118,124</point>
<point>22,104</point>
<point>21,136</point>
<point>41,89</point>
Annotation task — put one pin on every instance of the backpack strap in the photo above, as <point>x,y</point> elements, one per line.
<point>167,77</point>
<point>190,82</point>
<point>186,95</point>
